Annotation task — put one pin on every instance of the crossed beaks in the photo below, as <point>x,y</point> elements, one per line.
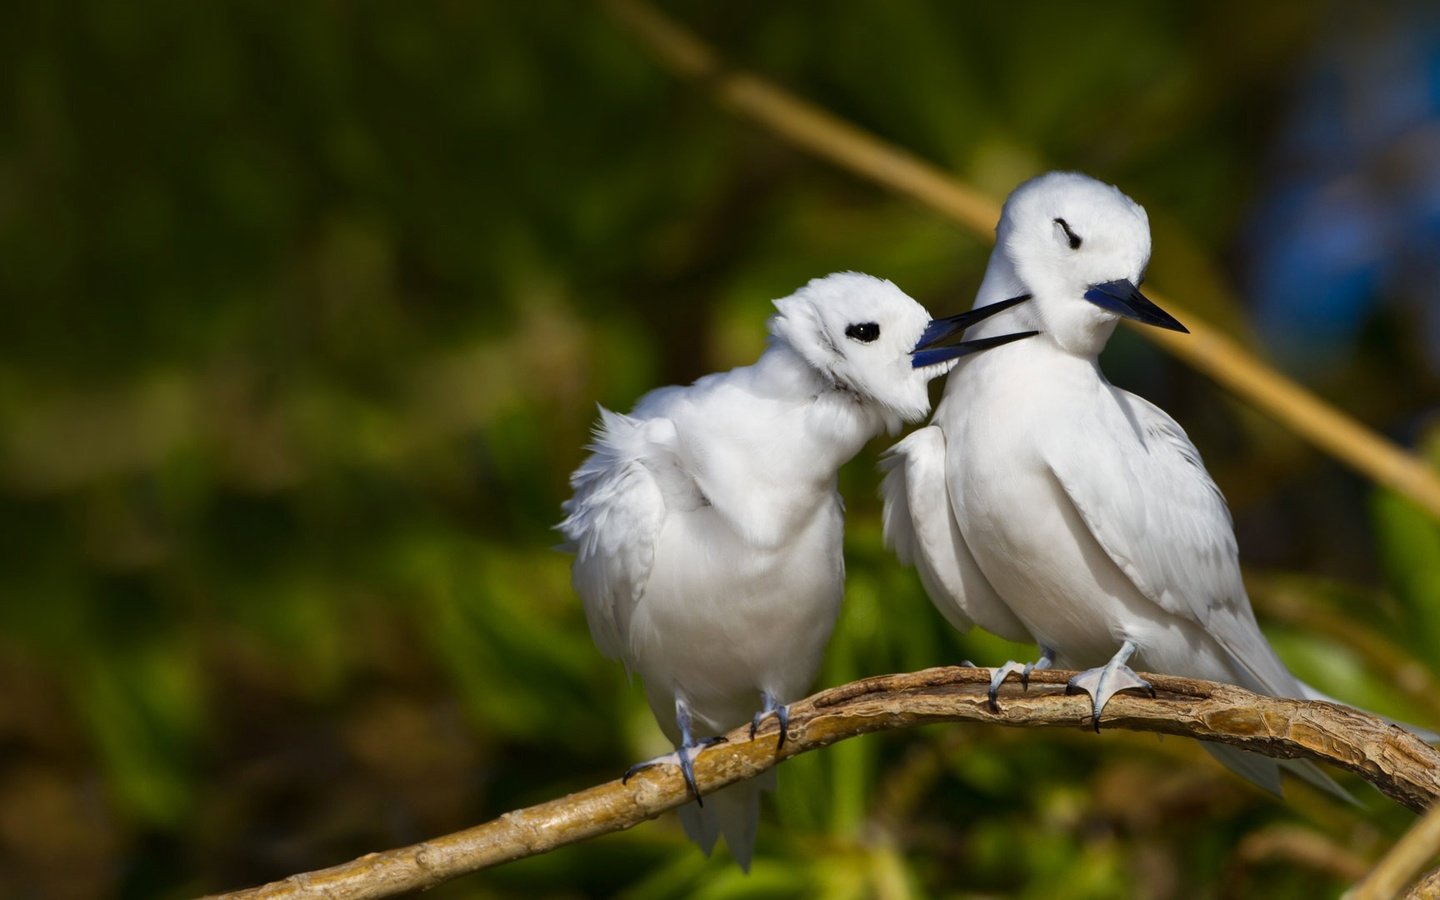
<point>1121,297</point>
<point>928,353</point>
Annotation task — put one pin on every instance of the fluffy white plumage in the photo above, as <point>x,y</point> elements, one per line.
<point>707,527</point>
<point>1046,504</point>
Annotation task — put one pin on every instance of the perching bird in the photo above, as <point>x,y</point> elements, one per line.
<point>1046,504</point>
<point>707,527</point>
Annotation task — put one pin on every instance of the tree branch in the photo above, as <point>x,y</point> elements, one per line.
<point>1392,759</point>
<point>1207,349</point>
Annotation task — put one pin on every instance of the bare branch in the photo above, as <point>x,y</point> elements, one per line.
<point>1395,761</point>
<point>1207,349</point>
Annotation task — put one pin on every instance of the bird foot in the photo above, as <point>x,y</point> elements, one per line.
<point>1106,681</point>
<point>1038,665</point>
<point>782,714</point>
<point>1047,657</point>
<point>684,757</point>
<point>998,678</point>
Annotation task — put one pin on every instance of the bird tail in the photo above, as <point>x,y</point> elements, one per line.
<point>733,812</point>
<point>1265,772</point>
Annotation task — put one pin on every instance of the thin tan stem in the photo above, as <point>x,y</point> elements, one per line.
<point>1410,855</point>
<point>1205,348</point>
<point>1394,760</point>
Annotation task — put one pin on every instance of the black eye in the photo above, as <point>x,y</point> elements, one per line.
<point>1070,236</point>
<point>864,332</point>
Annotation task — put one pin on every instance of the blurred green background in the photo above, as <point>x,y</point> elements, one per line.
<point>308,307</point>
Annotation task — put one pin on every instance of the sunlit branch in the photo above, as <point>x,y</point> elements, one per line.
<point>1393,760</point>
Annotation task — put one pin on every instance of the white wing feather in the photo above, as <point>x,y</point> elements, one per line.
<point>1161,519</point>
<point>614,519</point>
<point>920,527</point>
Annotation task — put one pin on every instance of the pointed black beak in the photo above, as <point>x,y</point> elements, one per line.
<point>943,329</point>
<point>919,359</point>
<point>1125,298</point>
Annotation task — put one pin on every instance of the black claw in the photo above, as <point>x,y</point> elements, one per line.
<point>994,694</point>
<point>687,763</point>
<point>782,714</point>
<point>635,770</point>
<point>687,768</point>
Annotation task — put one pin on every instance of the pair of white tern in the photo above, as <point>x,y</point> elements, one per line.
<point>1041,502</point>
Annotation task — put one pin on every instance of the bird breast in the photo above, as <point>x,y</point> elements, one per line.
<point>1025,534</point>
<point>722,619</point>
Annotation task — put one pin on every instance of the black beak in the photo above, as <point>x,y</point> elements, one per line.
<point>926,353</point>
<point>1125,298</point>
<point>919,359</point>
<point>943,329</point>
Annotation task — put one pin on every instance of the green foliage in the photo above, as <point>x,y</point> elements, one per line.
<point>1410,553</point>
<point>309,308</point>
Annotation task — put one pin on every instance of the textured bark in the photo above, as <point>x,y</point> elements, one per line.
<point>1427,888</point>
<point>1392,759</point>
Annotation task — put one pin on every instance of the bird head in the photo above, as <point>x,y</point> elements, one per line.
<point>1079,247</point>
<point>857,332</point>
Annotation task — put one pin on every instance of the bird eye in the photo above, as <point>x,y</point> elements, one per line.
<point>864,332</point>
<point>1070,236</point>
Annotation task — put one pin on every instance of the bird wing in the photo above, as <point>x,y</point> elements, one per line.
<point>1154,509</point>
<point>920,527</point>
<point>614,518</point>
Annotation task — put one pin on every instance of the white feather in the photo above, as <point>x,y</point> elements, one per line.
<point>1085,508</point>
<point>707,527</point>
<point>920,527</point>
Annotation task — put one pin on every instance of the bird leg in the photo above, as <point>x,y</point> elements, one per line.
<point>1106,681</point>
<point>1047,658</point>
<point>781,711</point>
<point>684,755</point>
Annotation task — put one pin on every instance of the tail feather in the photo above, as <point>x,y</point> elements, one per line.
<point>1308,771</point>
<point>732,812</point>
<point>1265,772</point>
<point>1251,766</point>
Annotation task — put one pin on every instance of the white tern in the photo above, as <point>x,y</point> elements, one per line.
<point>1048,505</point>
<point>707,527</point>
